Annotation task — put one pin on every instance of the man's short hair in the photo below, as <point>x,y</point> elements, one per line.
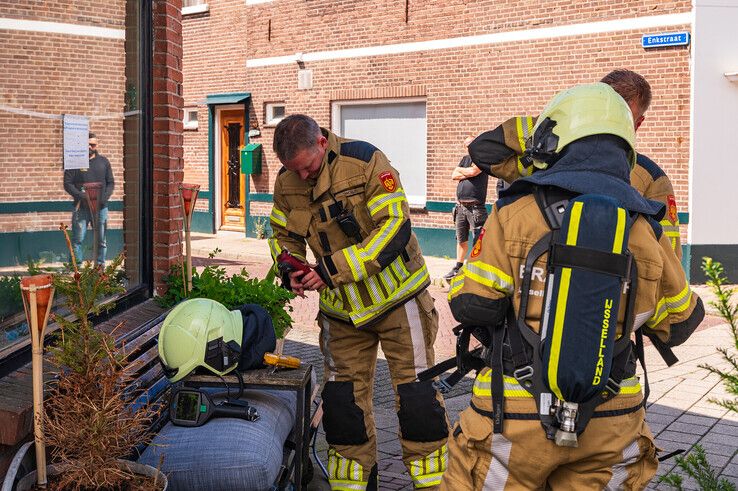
<point>92,135</point>
<point>294,133</point>
<point>631,86</point>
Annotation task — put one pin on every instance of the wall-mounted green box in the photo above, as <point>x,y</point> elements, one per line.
<point>251,158</point>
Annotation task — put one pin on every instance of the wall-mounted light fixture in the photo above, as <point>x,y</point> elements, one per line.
<point>731,76</point>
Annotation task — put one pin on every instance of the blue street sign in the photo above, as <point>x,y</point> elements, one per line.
<point>666,39</point>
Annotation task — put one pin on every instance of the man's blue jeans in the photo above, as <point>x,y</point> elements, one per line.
<point>80,220</point>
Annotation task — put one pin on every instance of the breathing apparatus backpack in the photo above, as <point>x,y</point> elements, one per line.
<point>577,361</point>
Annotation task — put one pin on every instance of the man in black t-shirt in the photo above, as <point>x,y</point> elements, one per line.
<point>470,213</point>
<point>98,171</point>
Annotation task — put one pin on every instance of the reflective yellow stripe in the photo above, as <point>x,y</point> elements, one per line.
<point>524,127</point>
<point>358,271</point>
<point>561,301</point>
<point>344,473</point>
<point>680,301</point>
<point>428,471</point>
<point>278,217</point>
<point>457,283</point>
<point>274,248</point>
<point>617,245</point>
<point>659,314</point>
<point>483,386</point>
<point>380,201</point>
<point>630,386</point>
<point>372,284</point>
<point>408,288</point>
<point>386,232</point>
<point>488,275</point>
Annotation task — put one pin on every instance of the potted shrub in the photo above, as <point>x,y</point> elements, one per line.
<point>89,426</point>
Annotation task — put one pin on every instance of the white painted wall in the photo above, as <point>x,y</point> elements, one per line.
<point>398,128</point>
<point>713,211</point>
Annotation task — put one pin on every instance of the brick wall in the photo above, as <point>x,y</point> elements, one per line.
<point>168,162</point>
<point>467,90</point>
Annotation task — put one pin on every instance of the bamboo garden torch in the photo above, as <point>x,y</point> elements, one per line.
<point>188,198</point>
<point>92,194</point>
<point>38,293</point>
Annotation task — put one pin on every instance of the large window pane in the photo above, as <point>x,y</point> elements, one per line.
<point>78,61</point>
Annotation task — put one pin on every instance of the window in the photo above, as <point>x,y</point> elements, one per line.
<point>190,118</point>
<point>275,112</point>
<point>194,7</point>
<point>105,134</point>
<point>398,128</point>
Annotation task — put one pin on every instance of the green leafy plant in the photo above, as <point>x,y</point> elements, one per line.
<point>232,291</point>
<point>695,464</point>
<point>728,310</point>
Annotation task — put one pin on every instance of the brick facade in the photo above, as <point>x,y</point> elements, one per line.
<point>467,89</point>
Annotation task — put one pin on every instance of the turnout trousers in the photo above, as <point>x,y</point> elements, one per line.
<point>614,453</point>
<point>406,336</point>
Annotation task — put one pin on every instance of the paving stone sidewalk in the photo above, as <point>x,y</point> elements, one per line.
<point>679,412</point>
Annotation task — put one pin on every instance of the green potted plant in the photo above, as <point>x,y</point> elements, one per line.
<point>89,426</point>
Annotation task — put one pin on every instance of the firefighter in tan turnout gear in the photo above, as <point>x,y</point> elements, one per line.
<point>346,201</point>
<point>572,261</point>
<point>508,161</point>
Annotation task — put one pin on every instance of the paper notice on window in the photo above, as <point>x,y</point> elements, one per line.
<point>76,138</point>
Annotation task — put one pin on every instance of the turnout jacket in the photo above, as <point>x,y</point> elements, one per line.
<point>367,275</point>
<point>500,152</point>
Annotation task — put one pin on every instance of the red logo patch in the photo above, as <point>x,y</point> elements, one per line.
<point>477,245</point>
<point>388,181</point>
<point>672,209</point>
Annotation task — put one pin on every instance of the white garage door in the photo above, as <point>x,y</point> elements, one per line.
<point>399,130</point>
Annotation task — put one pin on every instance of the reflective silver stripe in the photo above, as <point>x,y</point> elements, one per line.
<point>416,335</point>
<point>354,296</point>
<point>498,469</point>
<point>641,319</point>
<point>388,229</point>
<point>631,453</point>
<point>375,292</point>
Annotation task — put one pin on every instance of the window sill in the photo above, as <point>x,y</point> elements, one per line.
<point>195,9</point>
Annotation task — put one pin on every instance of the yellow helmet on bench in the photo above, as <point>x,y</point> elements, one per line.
<point>200,333</point>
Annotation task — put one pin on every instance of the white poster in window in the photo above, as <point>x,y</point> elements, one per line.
<point>76,139</point>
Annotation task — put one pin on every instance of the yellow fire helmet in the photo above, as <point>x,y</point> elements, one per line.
<point>583,110</point>
<point>200,333</point>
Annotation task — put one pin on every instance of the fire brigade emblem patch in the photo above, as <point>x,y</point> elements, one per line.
<point>672,209</point>
<point>477,245</point>
<point>388,181</point>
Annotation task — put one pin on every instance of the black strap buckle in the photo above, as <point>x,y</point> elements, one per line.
<point>442,386</point>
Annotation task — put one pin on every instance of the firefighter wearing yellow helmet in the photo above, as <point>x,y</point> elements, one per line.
<point>571,263</point>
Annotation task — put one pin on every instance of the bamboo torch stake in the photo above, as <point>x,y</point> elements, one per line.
<point>32,287</point>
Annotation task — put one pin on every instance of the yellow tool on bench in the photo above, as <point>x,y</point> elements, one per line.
<point>281,361</point>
